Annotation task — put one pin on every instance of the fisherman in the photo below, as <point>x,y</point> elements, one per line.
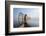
<point>25,23</point>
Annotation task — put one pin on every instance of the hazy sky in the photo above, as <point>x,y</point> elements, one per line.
<point>34,12</point>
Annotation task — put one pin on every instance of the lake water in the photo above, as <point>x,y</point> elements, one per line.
<point>33,22</point>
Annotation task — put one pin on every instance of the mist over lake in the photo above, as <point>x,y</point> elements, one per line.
<point>31,22</point>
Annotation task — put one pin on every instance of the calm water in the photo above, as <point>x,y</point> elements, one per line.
<point>31,23</point>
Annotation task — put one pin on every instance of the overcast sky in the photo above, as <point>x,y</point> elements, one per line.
<point>34,12</point>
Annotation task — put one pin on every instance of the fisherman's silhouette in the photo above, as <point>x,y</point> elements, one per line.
<point>25,23</point>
